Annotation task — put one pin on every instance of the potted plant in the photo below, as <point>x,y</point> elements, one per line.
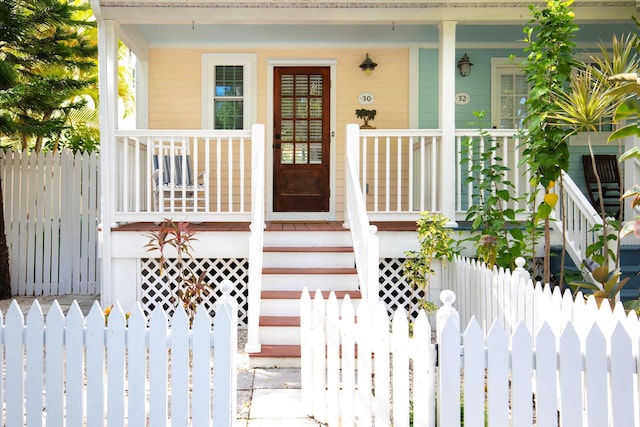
<point>366,115</point>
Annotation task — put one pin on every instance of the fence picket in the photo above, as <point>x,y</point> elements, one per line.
<point>497,376</point>
<point>595,354</point>
<point>74,365</point>
<point>522,375</point>
<point>400,347</point>
<point>423,373</point>
<point>474,367</point>
<point>382,378</point>
<point>306,352</point>
<point>347,338</point>
<point>179,367</point>
<point>116,366</point>
<point>35,361</point>
<point>363,394</point>
<point>570,377</point>
<point>14,354</point>
<point>201,341</point>
<point>318,340</point>
<point>333,359</point>
<point>158,362</point>
<point>449,376</point>
<point>54,377</point>
<point>545,377</point>
<point>622,370</point>
<point>95,365</point>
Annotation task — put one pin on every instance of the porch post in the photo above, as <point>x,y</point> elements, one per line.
<point>447,118</point>
<point>108,80</point>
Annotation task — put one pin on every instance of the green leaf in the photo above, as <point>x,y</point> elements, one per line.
<point>631,130</point>
<point>516,233</point>
<point>544,210</point>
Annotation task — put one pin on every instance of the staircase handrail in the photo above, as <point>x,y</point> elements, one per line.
<point>581,218</point>
<point>363,234</point>
<point>256,239</point>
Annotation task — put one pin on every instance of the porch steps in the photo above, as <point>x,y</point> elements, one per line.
<point>317,260</point>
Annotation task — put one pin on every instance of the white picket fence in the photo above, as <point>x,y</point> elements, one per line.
<point>487,295</point>
<point>52,212</point>
<point>129,372</point>
<point>375,372</point>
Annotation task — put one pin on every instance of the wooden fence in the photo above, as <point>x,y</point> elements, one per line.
<point>52,212</point>
<point>128,372</point>
<point>511,298</point>
<point>579,377</point>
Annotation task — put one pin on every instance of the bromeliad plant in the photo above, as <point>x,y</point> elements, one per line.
<point>436,243</point>
<point>192,288</point>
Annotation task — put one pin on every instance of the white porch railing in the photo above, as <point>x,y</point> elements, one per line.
<point>256,243</point>
<point>578,221</point>
<point>402,171</point>
<point>196,175</point>
<point>363,234</point>
<point>508,153</point>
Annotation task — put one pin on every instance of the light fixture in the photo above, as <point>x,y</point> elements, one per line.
<point>464,65</point>
<point>368,65</point>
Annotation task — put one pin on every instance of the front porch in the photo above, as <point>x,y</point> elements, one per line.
<point>388,178</point>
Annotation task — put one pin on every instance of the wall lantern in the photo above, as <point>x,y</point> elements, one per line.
<point>464,65</point>
<point>368,65</point>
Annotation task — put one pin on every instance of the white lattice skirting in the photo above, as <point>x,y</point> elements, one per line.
<point>156,291</point>
<point>394,290</point>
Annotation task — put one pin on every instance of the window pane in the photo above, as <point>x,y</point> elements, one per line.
<point>316,85</point>
<point>301,108</point>
<point>286,130</point>
<point>315,108</point>
<point>286,108</point>
<point>302,153</point>
<point>302,85</point>
<point>315,155</point>
<point>286,85</point>
<point>229,80</point>
<point>286,153</point>
<point>228,114</point>
<point>302,130</point>
<point>315,130</point>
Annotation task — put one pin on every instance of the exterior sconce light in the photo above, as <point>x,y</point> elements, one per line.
<point>464,65</point>
<point>368,65</point>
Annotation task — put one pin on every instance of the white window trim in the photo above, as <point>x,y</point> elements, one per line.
<point>249,62</point>
<point>498,64</point>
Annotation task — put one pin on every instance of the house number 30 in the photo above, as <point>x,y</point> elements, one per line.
<point>366,98</point>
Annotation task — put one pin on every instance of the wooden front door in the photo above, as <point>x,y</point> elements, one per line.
<point>301,138</point>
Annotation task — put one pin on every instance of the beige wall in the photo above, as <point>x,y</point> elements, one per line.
<point>175,89</point>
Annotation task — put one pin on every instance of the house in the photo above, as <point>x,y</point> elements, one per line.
<point>243,113</point>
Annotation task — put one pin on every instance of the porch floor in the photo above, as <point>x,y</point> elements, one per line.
<point>270,226</point>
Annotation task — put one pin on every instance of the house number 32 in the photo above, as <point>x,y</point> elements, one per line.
<point>462,98</point>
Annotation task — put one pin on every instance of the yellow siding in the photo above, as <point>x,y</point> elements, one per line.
<point>175,90</point>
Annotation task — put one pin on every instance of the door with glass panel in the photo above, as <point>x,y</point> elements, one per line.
<point>301,139</point>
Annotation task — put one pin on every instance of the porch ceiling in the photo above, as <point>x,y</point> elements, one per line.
<point>297,12</point>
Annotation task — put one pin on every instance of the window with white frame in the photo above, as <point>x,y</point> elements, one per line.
<point>509,92</point>
<point>229,91</point>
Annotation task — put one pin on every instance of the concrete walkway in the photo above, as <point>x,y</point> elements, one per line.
<point>270,397</point>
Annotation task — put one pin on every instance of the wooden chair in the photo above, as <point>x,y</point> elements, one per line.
<point>609,173</point>
<point>177,184</point>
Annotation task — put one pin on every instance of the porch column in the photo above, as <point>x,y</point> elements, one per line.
<point>447,118</point>
<point>108,81</point>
